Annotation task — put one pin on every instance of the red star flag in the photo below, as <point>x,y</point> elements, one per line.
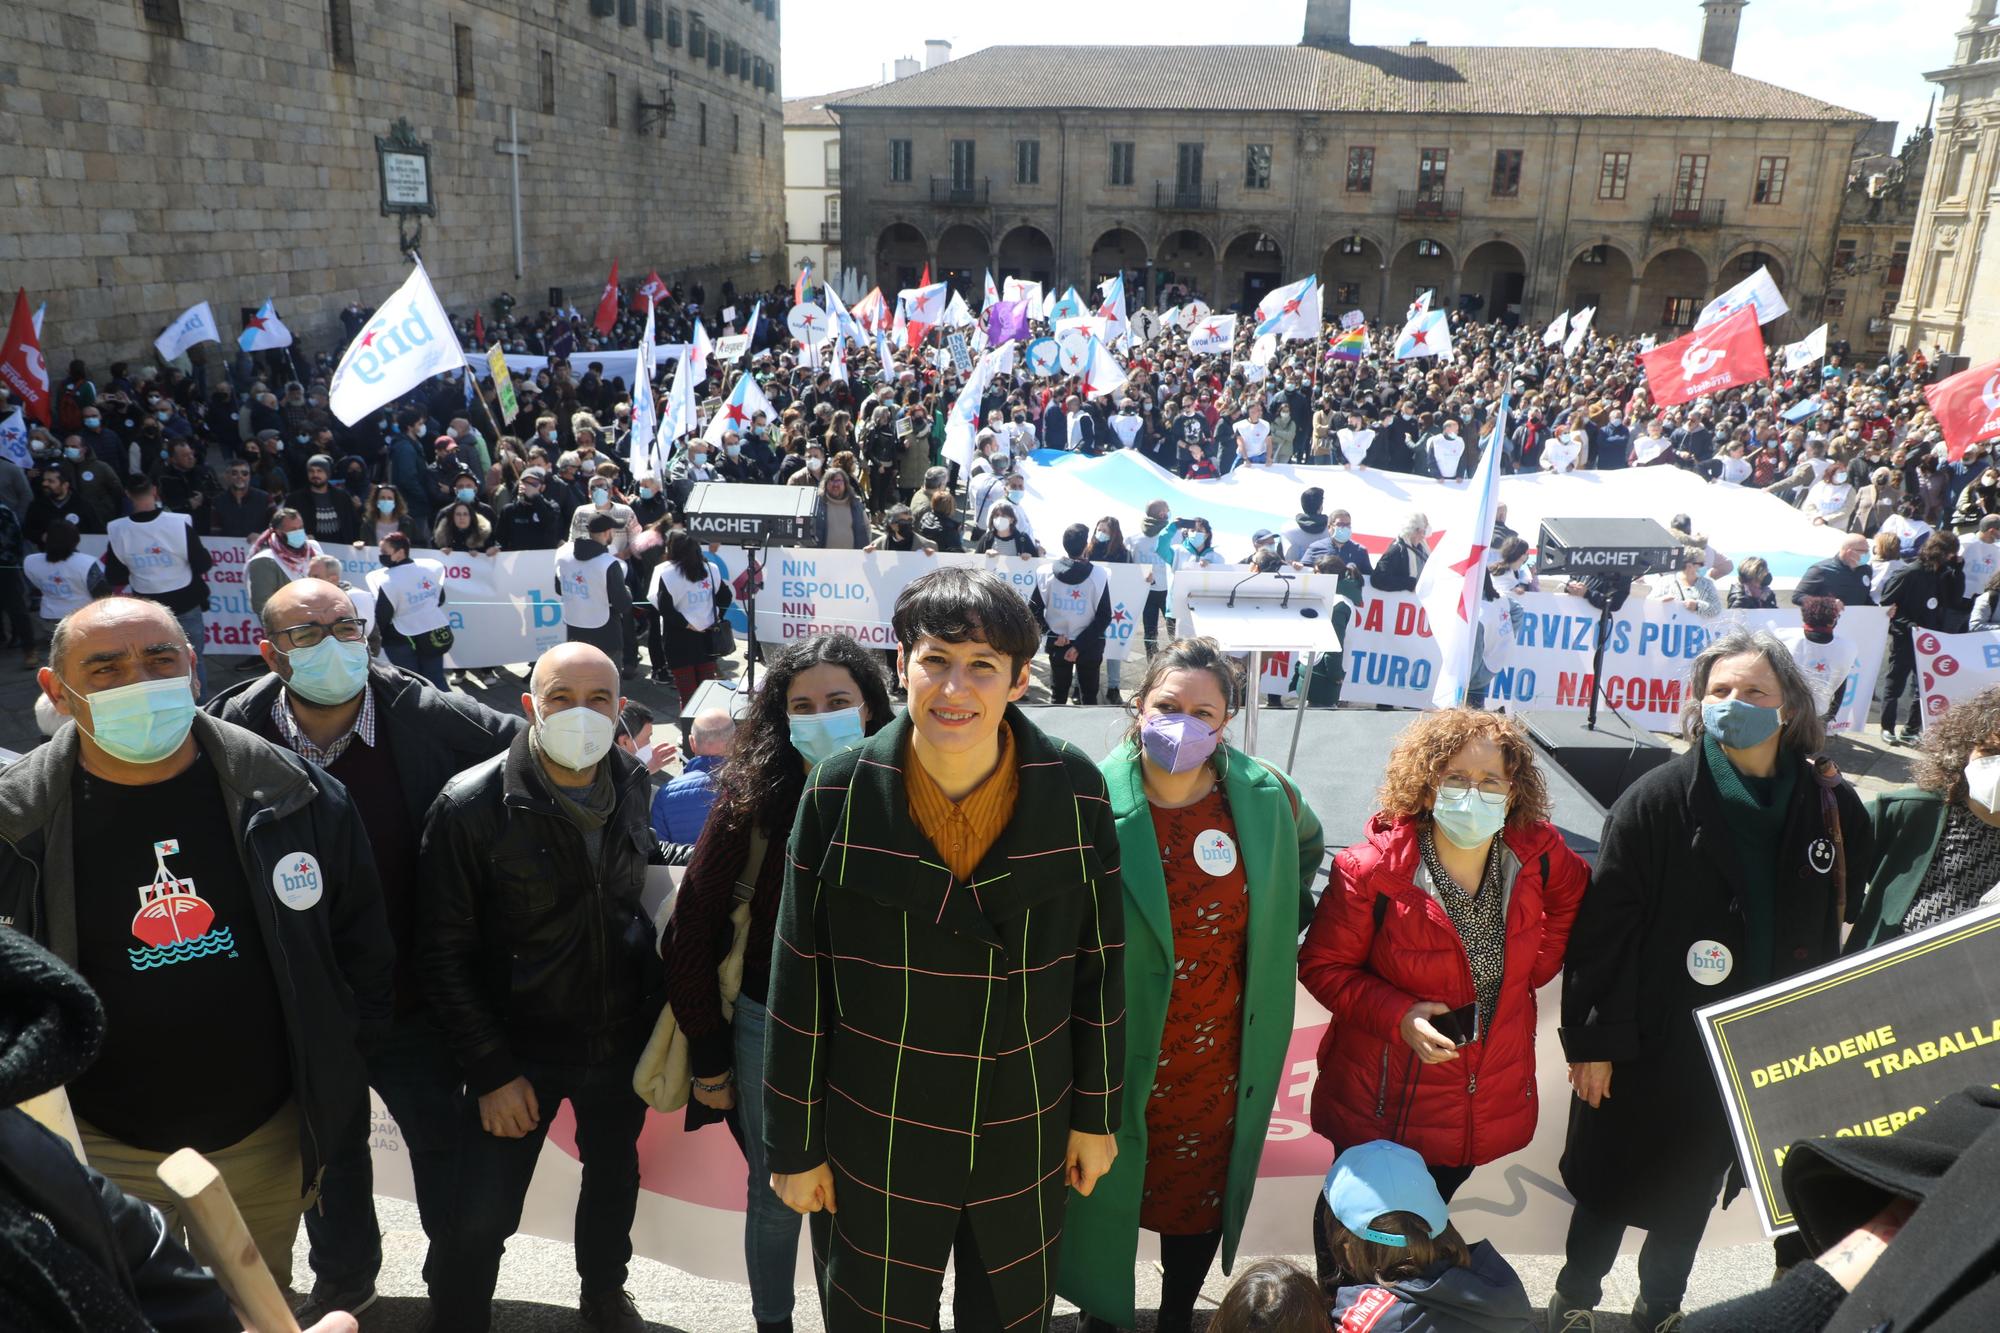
<point>1452,587</point>
<point>21,364</point>
<point>1215,334</point>
<point>1967,407</point>
<point>405,342</point>
<point>1102,375</point>
<point>992,293</point>
<point>264,330</point>
<point>1292,311</point>
<point>1719,356</point>
<point>921,308</point>
<point>607,304</point>
<point>1429,334</point>
<point>745,401</point>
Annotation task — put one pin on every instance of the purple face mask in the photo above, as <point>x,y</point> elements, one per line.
<point>1177,742</point>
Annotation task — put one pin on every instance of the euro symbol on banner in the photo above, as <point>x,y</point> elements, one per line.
<point>1698,360</point>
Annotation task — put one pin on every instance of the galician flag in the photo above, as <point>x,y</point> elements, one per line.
<point>992,293</point>
<point>1101,374</point>
<point>958,315</point>
<point>265,331</point>
<point>868,310</point>
<point>921,309</point>
<point>1068,307</point>
<point>1112,292</point>
<point>745,401</point>
<point>839,366</point>
<point>640,451</point>
<point>405,342</point>
<point>1429,334</point>
<point>842,320</point>
<point>750,329</point>
<point>679,415</point>
<point>1215,334</point>
<point>885,359</point>
<point>704,346</point>
<point>1292,311</point>
<point>961,429</point>
<point>1452,587</point>
<point>1421,305</point>
<point>195,325</point>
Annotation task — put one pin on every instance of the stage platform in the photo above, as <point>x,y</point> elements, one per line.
<point>1341,754</point>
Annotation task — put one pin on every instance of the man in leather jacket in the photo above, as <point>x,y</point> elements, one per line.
<point>538,961</point>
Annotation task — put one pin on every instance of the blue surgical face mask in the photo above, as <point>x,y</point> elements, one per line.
<point>296,539</point>
<point>1739,725</point>
<point>820,736</point>
<point>647,492</point>
<point>600,498</point>
<point>1342,533</point>
<point>1470,820</point>
<point>92,423</point>
<point>466,494</point>
<point>330,672</point>
<point>385,505</point>
<point>140,723</point>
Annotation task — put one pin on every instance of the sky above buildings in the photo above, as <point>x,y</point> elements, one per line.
<point>1867,55</point>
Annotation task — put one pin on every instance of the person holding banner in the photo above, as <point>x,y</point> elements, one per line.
<point>1219,853</point>
<point>1721,871</point>
<point>948,972</point>
<point>1923,595</point>
<point>1429,944</point>
<point>817,698</point>
<point>1937,844</point>
<point>690,600</point>
<point>840,519</point>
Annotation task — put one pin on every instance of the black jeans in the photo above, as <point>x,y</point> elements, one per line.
<point>1902,668</point>
<point>1149,618</point>
<point>1084,670</point>
<point>1665,1260</point>
<point>493,1179</point>
<point>1327,1264</point>
<point>414,1072</point>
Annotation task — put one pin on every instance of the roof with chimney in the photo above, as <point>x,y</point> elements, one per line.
<point>1635,82</point>
<point>811,112</point>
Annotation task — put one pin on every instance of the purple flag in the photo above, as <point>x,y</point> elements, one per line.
<point>1007,321</point>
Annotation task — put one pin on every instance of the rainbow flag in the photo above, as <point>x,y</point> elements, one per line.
<point>1350,345</point>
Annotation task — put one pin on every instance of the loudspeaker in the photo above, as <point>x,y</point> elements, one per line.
<point>1603,762</point>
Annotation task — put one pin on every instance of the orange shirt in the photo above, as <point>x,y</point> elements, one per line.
<point>963,831</point>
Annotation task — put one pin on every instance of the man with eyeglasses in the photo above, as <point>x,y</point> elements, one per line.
<point>393,740</point>
<point>220,897</point>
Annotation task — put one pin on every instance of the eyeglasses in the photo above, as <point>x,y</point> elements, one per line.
<point>1493,791</point>
<point>300,637</point>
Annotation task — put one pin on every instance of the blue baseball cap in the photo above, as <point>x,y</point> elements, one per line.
<point>1371,1179</point>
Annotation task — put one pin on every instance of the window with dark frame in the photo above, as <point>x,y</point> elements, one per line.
<point>673,27</point>
<point>702,139</point>
<point>1257,166</point>
<point>1347,293</point>
<point>714,51</point>
<point>602,8</point>
<point>1836,301</point>
<point>1690,182</point>
<point>1899,264</point>
<point>963,160</point>
<point>899,161</point>
<point>628,13</point>
<point>461,57</point>
<point>1433,166</point>
<point>1614,176</point>
<point>697,36</point>
<point>1507,173</point>
<point>1360,170</point>
<point>736,131</point>
<point>1770,180</point>
<point>763,138</point>
<point>611,101</point>
<point>729,58</point>
<point>340,33</point>
<point>655,24</point>
<point>1680,311</point>
<point>1429,250</point>
<point>1027,161</point>
<point>163,13</point>
<point>548,82</point>
<point>1351,245</point>
<point>1843,254</point>
<point>1122,154</point>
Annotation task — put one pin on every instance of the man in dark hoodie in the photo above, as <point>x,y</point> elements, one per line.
<point>1072,604</point>
<point>1310,525</point>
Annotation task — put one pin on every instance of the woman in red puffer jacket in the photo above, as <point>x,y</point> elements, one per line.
<point>1430,942</point>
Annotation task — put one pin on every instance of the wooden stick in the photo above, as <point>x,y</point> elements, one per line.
<point>221,1238</point>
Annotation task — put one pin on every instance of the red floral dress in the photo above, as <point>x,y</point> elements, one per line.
<point>1191,1117</point>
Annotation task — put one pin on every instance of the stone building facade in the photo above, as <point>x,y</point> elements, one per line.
<point>1951,301</point>
<point>1508,179</point>
<point>163,152</point>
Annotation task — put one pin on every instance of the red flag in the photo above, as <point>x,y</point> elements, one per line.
<point>653,290</point>
<point>479,327</point>
<point>21,365</point>
<point>607,304</point>
<point>925,281</point>
<point>1966,405</point>
<point>1715,357</point>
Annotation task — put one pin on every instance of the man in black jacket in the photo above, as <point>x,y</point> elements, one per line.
<point>538,959</point>
<point>1844,576</point>
<point>394,741</point>
<point>257,959</point>
<point>533,522</point>
<point>1403,563</point>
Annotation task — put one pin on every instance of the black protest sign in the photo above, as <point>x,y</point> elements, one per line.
<point>1862,1046</point>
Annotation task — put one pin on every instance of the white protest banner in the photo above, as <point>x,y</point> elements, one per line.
<point>1951,668</point>
<point>808,592</point>
<point>618,363</point>
<point>1391,658</point>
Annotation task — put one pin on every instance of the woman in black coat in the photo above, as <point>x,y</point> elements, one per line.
<point>1720,872</point>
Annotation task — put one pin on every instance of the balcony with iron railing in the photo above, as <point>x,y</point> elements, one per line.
<point>955,193</point>
<point>1672,212</point>
<point>1188,198</point>
<point>829,231</point>
<point>1430,205</point>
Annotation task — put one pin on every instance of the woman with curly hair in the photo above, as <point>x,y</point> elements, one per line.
<point>1937,844</point>
<point>818,698</point>
<point>1433,936</point>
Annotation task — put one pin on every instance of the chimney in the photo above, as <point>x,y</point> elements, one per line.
<point>936,51</point>
<point>1719,21</point>
<point>906,66</point>
<point>1326,23</point>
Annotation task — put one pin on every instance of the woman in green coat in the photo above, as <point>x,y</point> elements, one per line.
<point>1219,855</point>
<point>1937,844</point>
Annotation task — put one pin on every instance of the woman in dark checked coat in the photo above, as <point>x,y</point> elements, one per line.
<point>947,999</point>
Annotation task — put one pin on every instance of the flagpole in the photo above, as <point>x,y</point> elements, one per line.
<point>491,420</point>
